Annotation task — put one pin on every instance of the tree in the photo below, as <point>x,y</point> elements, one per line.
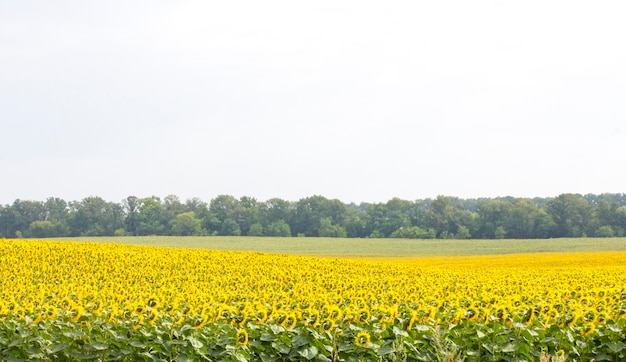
<point>56,210</point>
<point>255,230</point>
<point>605,231</point>
<point>571,214</point>
<point>620,219</point>
<point>525,220</point>
<point>172,207</point>
<point>46,229</point>
<point>248,213</point>
<point>150,217</point>
<point>18,217</point>
<point>131,207</point>
<point>446,215</point>
<point>275,209</point>
<point>307,215</point>
<point>462,232</point>
<point>278,228</point>
<point>328,229</point>
<point>354,223</point>
<point>186,224</point>
<point>198,207</point>
<point>230,228</point>
<point>93,216</point>
<point>492,215</point>
<point>413,232</point>
<point>223,208</point>
<point>500,232</point>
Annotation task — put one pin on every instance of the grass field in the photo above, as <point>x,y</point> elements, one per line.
<point>372,247</point>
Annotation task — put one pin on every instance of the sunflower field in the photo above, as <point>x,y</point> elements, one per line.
<point>75,301</point>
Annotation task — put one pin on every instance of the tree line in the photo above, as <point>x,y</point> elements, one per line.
<point>567,215</point>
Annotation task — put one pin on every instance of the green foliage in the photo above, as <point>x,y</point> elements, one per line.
<point>605,231</point>
<point>328,229</point>
<point>413,232</point>
<point>230,228</point>
<point>278,228</point>
<point>93,338</point>
<point>186,224</point>
<point>255,230</point>
<point>499,233</point>
<point>567,215</point>
<point>46,229</point>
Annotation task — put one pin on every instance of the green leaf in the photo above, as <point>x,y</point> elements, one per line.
<point>137,344</point>
<point>602,357</point>
<point>56,348</point>
<point>99,346</point>
<point>509,347</point>
<point>183,358</point>
<point>276,329</point>
<point>616,347</point>
<point>342,347</point>
<point>300,340</point>
<point>399,332</point>
<point>225,341</point>
<point>309,353</point>
<point>281,347</point>
<point>267,337</point>
<point>240,357</point>
<point>549,340</point>
<point>386,349</point>
<point>74,334</point>
<point>614,328</point>
<point>195,343</point>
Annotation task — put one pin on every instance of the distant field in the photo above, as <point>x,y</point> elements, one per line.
<point>370,247</point>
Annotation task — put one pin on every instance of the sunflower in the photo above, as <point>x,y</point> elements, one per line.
<point>76,313</point>
<point>152,316</point>
<point>290,321</point>
<point>137,322</point>
<point>362,339</point>
<point>328,325</point>
<point>152,302</point>
<point>200,321</point>
<point>363,315</point>
<point>587,329</point>
<point>242,337</point>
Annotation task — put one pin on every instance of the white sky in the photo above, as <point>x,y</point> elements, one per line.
<point>355,100</point>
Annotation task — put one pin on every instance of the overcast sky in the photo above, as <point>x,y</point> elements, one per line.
<point>355,100</point>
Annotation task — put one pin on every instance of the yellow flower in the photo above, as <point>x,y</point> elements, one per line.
<point>138,322</point>
<point>588,329</point>
<point>327,325</point>
<point>242,337</point>
<point>76,313</point>
<point>290,321</point>
<point>362,339</point>
<point>363,315</point>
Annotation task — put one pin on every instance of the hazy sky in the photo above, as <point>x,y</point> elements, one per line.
<point>355,100</point>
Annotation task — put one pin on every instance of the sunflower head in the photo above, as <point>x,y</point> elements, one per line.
<point>152,302</point>
<point>327,325</point>
<point>362,339</point>
<point>242,337</point>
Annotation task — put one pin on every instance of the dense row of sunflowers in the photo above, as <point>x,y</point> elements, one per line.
<point>71,301</point>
